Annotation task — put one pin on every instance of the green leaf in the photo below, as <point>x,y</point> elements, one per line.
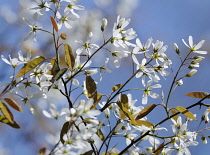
<point>116,87</point>
<point>3,119</point>
<point>124,100</point>
<point>145,111</point>
<point>173,111</point>
<point>69,56</point>
<point>13,104</point>
<point>65,129</point>
<point>30,65</point>
<point>54,68</point>
<point>59,74</point>
<point>91,88</point>
<point>185,112</point>
<point>99,97</point>
<point>126,112</point>
<point>7,113</point>
<point>198,94</point>
<point>145,123</point>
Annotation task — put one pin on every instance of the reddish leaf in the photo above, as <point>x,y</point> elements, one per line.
<point>54,23</point>
<point>145,111</point>
<point>197,94</point>
<point>13,104</point>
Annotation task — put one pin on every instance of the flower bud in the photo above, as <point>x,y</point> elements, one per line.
<point>180,82</point>
<point>63,36</point>
<point>104,24</point>
<point>193,66</point>
<point>198,57</point>
<point>191,73</point>
<point>204,140</point>
<point>176,48</point>
<point>196,61</point>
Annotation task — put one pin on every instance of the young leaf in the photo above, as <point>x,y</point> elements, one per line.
<point>30,65</point>
<point>116,87</point>
<point>127,113</point>
<point>13,104</point>
<point>3,119</point>
<point>65,129</point>
<point>54,23</point>
<point>159,149</point>
<point>99,97</point>
<point>124,100</point>
<point>91,88</point>
<point>173,111</point>
<point>197,94</point>
<point>59,74</point>
<point>42,151</point>
<point>69,56</point>
<point>145,123</point>
<point>53,63</point>
<point>185,112</point>
<point>88,153</point>
<point>7,113</point>
<point>145,111</point>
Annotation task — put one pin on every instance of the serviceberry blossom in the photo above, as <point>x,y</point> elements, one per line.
<point>42,6</point>
<point>65,19</point>
<point>40,73</point>
<point>121,36</point>
<point>144,71</point>
<point>54,113</point>
<point>22,59</point>
<point>33,27</point>
<point>142,47</point>
<point>14,62</point>
<point>104,68</point>
<point>195,47</point>
<point>147,91</point>
<point>86,46</point>
<point>72,6</point>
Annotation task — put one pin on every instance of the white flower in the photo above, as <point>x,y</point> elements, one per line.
<point>195,47</point>
<point>22,59</point>
<point>13,61</point>
<point>84,109</point>
<point>41,5</point>
<point>65,19</point>
<point>140,46</point>
<point>104,68</point>
<point>53,112</point>
<point>147,91</point>
<point>72,6</point>
<point>33,27</point>
<point>86,46</point>
<point>41,73</point>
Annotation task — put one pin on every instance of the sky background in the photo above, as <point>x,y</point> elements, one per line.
<point>165,20</point>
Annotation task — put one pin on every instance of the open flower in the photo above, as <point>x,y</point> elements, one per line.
<point>33,27</point>
<point>147,91</point>
<point>13,61</point>
<point>195,47</point>
<point>86,46</point>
